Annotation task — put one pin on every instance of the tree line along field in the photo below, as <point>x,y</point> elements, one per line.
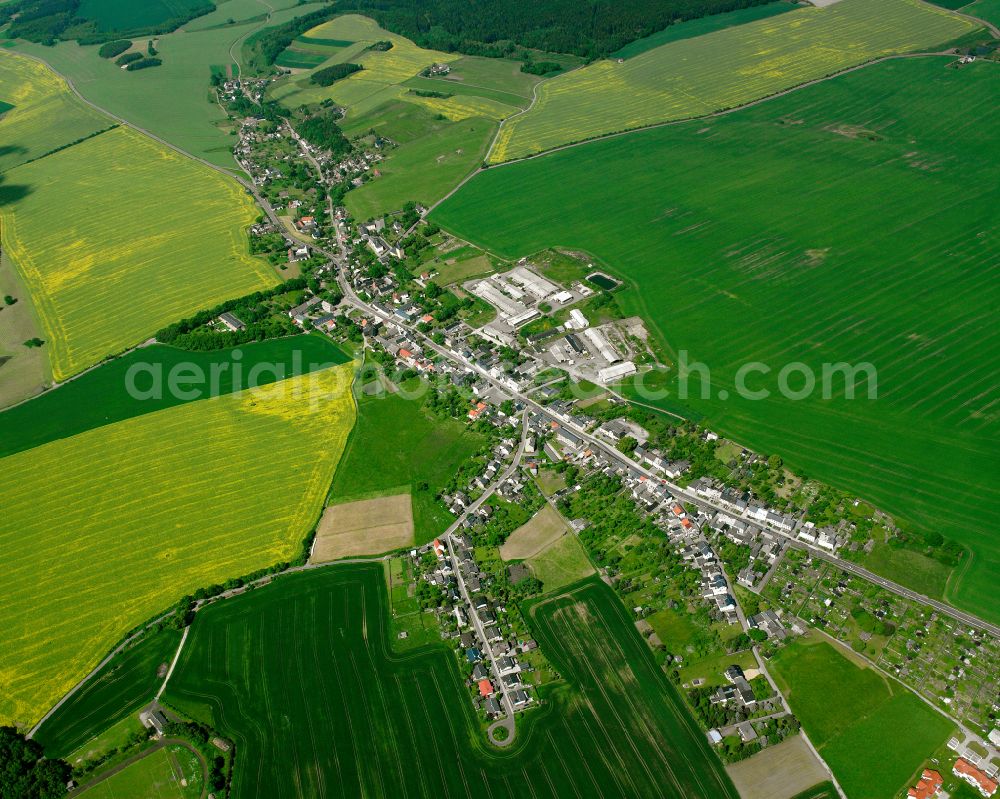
<point>181,114</point>
<point>109,527</point>
<point>851,221</point>
<point>300,674</point>
<point>872,732</point>
<point>43,114</point>
<point>99,280</point>
<point>100,397</point>
<point>722,69</point>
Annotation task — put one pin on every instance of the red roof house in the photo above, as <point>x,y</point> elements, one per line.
<point>485,688</point>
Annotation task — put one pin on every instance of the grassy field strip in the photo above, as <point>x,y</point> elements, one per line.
<point>100,281</point>
<point>698,224</point>
<point>722,69</point>
<point>871,731</point>
<point>43,115</point>
<point>362,715</point>
<point>149,508</point>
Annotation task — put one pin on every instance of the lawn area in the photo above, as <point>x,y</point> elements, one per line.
<point>120,689</point>
<point>711,669</point>
<point>100,397</point>
<point>688,29</point>
<point>907,566</point>
<point>699,224</point>
<point>561,563</point>
<point>722,69</point>
<point>870,730</point>
<point>497,74</point>
<point>40,113</point>
<point>399,447</point>
<point>424,169</point>
<point>326,686</point>
<point>99,280</point>
<point>148,509</point>
<point>156,776</point>
<point>675,629</point>
<point>182,113</point>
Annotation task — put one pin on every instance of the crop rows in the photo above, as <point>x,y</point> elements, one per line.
<point>100,281</point>
<point>299,674</point>
<point>849,222</point>
<point>106,528</point>
<point>45,114</point>
<point>721,70</point>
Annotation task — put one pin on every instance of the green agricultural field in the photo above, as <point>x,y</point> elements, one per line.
<point>99,280</point>
<point>870,730</point>
<point>561,563</point>
<point>799,231</point>
<point>688,29</point>
<point>120,689</point>
<point>127,15</point>
<point>497,74</point>
<point>423,170</point>
<point>40,114</point>
<point>107,528</point>
<point>400,447</point>
<point>295,59</point>
<point>182,113</point>
<point>343,716</point>
<point>102,397</point>
<point>156,776</point>
<point>984,9</point>
<point>723,69</point>
<point>376,83</point>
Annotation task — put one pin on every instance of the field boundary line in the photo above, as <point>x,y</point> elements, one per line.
<point>173,663</point>
<point>668,123</point>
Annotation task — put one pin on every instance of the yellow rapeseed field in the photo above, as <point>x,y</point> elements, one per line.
<point>46,114</point>
<point>382,71</point>
<point>103,530</point>
<point>721,70</point>
<point>119,236</point>
<point>462,106</point>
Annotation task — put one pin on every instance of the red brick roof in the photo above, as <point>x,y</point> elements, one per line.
<point>928,786</point>
<point>485,688</point>
<point>963,768</point>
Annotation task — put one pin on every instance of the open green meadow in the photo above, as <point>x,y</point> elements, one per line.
<point>984,9</point>
<point>849,222</point>
<point>871,731</point>
<point>156,776</point>
<point>561,563</point>
<point>107,528</point>
<point>172,101</point>
<point>127,15</point>
<point>40,113</point>
<point>300,674</point>
<point>101,396</point>
<point>99,280</point>
<point>399,447</point>
<point>722,69</point>
<point>120,689</point>
<point>690,28</point>
<point>423,170</point>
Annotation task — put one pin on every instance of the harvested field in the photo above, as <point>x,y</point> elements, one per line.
<point>778,772</point>
<point>544,528</point>
<point>366,527</point>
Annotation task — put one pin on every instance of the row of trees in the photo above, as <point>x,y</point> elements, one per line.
<point>588,28</point>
